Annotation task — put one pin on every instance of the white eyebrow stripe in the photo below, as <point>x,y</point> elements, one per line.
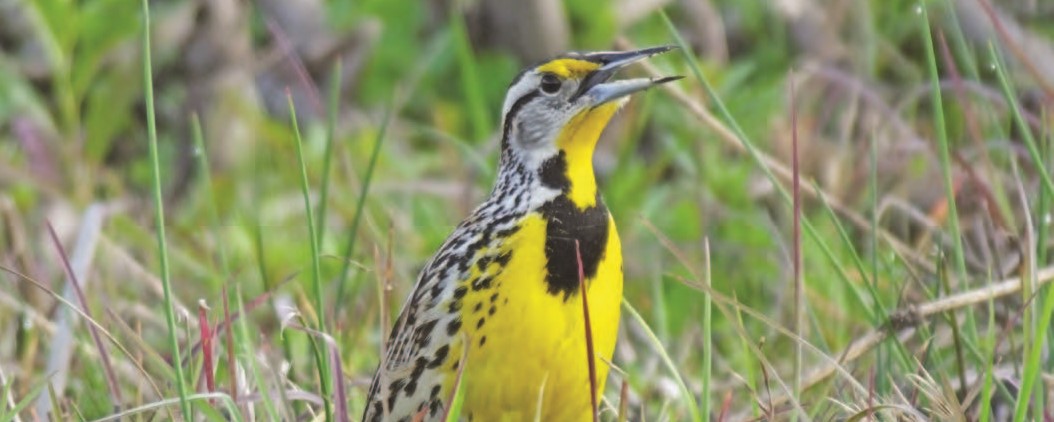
<point>522,87</point>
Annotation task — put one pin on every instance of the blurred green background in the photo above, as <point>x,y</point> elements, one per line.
<point>397,105</point>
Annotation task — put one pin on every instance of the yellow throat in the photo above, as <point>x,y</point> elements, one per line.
<point>577,141</point>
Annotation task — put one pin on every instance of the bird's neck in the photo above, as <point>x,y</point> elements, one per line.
<point>568,173</point>
<point>572,169</point>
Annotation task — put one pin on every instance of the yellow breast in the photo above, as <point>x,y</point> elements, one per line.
<point>527,355</point>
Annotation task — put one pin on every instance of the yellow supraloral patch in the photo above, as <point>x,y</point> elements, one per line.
<point>568,68</point>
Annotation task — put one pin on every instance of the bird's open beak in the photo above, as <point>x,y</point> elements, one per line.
<point>596,86</point>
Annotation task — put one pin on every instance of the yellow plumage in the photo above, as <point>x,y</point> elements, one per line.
<point>501,301</point>
<point>534,357</point>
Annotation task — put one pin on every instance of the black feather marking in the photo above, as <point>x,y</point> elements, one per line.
<point>567,223</point>
<point>453,326</point>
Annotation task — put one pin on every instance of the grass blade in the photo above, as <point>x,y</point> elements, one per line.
<point>104,354</point>
<point>1019,120</point>
<point>708,345</point>
<point>468,74</point>
<point>457,394</point>
<point>332,109</point>
<point>590,354</point>
<point>159,217</point>
<point>349,248</point>
<point>127,414</point>
<point>942,146</point>
<point>316,271</point>
<point>35,391</point>
<point>799,283</point>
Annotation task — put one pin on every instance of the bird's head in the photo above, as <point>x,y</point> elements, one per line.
<point>555,111</point>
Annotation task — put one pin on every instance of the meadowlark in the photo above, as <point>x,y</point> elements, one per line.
<point>498,310</point>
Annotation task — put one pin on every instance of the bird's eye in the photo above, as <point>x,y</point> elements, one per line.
<point>550,84</point>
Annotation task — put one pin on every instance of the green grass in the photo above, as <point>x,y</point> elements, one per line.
<point>920,158</point>
<point>316,270</point>
<point>159,220</point>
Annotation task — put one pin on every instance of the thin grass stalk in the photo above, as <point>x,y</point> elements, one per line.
<point>1043,219</point>
<point>232,373</point>
<point>1046,201</point>
<point>54,400</point>
<point>1033,338</point>
<point>248,352</point>
<point>590,353</point>
<point>881,363</point>
<point>751,376</point>
<point>1032,366</point>
<point>5,394</point>
<point>285,46</point>
<point>661,320</point>
<point>942,146</point>
<point>944,154</point>
<point>333,353</point>
<point>104,354</point>
<point>1015,48</point>
<point>623,403</point>
<point>193,373</point>
<point>989,366</point>
<point>207,336</point>
<point>965,52</point>
<point>1022,124</point>
<point>13,409</point>
<point>156,406</point>
<point>799,283</point>
<point>873,315</point>
<point>715,99</point>
<point>332,109</point>
<point>159,217</point>
<point>722,304</point>
<point>708,332</point>
<point>468,73</point>
<point>452,411</point>
<point>973,129</point>
<point>316,267</point>
<point>1025,397</point>
<point>953,323</point>
<point>349,248</point>
<point>382,320</point>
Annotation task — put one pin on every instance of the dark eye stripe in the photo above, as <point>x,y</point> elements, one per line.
<point>511,115</point>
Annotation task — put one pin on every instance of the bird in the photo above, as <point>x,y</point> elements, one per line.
<point>497,314</point>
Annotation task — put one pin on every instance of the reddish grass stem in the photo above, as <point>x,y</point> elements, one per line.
<point>206,348</point>
<point>297,63</point>
<point>590,354</point>
<point>799,283</point>
<point>231,318</point>
<point>104,355</point>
